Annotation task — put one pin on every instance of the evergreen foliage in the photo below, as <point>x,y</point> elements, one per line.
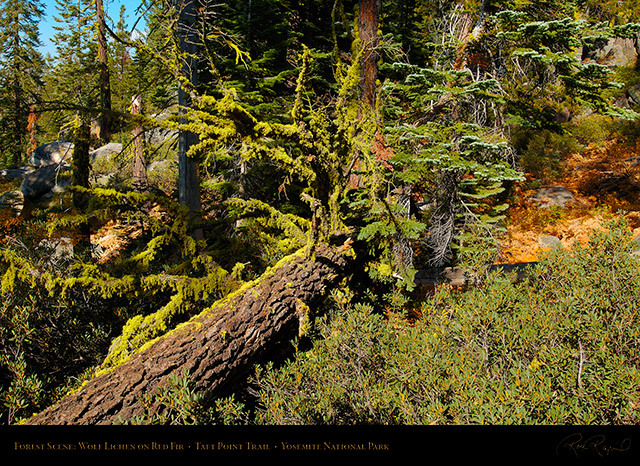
<point>21,69</point>
<point>558,349</point>
<point>74,73</point>
<point>291,155</point>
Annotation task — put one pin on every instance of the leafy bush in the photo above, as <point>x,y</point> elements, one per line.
<point>60,310</point>
<point>594,129</point>
<point>559,348</point>
<point>543,151</point>
<point>49,341</point>
<point>178,403</point>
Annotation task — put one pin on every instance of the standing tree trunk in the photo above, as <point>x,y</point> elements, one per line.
<point>104,124</point>
<point>140,180</point>
<point>18,97</point>
<point>80,163</point>
<point>368,22</point>
<point>219,348</point>
<point>188,179</point>
<point>80,177</point>
<point>31,128</point>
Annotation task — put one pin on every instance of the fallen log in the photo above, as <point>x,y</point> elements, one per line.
<point>218,348</point>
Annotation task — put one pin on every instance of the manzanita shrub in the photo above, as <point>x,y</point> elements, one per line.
<point>561,347</point>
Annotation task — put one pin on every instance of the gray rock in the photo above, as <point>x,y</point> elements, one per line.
<point>51,153</point>
<point>159,165</point>
<point>13,200</point>
<point>43,180</point>
<point>563,116</point>
<point>102,181</point>
<point>13,173</point>
<point>549,242</point>
<point>104,159</point>
<point>161,170</point>
<point>633,94</point>
<point>106,152</point>
<point>61,186</point>
<point>612,52</point>
<point>553,196</point>
<point>159,135</point>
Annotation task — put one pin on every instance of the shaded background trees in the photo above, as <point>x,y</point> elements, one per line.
<point>21,72</point>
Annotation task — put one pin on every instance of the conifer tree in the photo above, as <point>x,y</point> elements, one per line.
<point>188,179</point>
<point>74,80</point>
<point>104,121</point>
<point>443,136</point>
<point>124,69</point>
<point>21,68</point>
<point>151,74</point>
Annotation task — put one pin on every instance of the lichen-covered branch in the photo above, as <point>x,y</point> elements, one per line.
<point>218,348</point>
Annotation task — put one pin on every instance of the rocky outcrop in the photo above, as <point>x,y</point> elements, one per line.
<point>549,242</point>
<point>611,52</point>
<point>16,202</point>
<point>15,173</point>
<point>45,180</point>
<point>51,153</point>
<point>161,134</point>
<point>105,152</point>
<point>50,170</point>
<point>549,196</point>
<point>630,97</point>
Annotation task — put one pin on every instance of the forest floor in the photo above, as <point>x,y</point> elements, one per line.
<point>605,182</point>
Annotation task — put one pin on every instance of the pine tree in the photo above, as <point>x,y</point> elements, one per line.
<point>151,74</point>
<point>21,68</point>
<point>124,70</point>
<point>104,121</point>
<point>188,179</point>
<point>74,80</point>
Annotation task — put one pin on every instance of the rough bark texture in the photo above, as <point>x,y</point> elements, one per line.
<point>80,163</point>
<point>368,24</point>
<point>140,179</point>
<point>188,176</point>
<point>368,19</point>
<point>188,180</point>
<point>219,348</point>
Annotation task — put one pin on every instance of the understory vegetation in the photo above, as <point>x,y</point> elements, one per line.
<point>560,347</point>
<point>406,134</point>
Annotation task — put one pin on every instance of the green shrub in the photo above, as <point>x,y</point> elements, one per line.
<point>543,151</point>
<point>178,403</point>
<point>49,341</point>
<point>560,348</point>
<point>594,129</point>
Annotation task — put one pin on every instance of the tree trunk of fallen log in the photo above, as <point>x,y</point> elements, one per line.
<point>219,348</point>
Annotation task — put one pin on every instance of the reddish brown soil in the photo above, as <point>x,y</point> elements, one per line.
<point>605,181</point>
